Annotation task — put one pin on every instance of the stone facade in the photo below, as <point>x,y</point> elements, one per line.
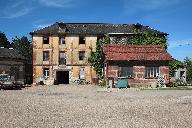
<point>71,48</point>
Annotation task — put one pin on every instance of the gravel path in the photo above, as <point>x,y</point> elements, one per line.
<point>94,107</point>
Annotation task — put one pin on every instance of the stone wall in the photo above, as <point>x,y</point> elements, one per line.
<point>121,39</point>
<point>71,49</point>
<point>14,68</point>
<point>138,79</point>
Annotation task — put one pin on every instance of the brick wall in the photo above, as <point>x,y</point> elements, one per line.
<point>138,79</point>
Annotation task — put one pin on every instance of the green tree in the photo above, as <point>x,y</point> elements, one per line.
<point>4,41</point>
<point>174,65</point>
<point>23,46</point>
<point>188,65</point>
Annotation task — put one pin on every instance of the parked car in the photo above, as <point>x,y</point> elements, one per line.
<point>7,83</point>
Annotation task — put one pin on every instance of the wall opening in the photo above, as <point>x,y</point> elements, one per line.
<point>62,77</point>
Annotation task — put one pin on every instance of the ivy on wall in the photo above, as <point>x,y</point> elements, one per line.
<point>148,38</point>
<point>96,59</point>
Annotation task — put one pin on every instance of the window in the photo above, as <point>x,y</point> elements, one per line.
<point>151,72</point>
<point>62,58</point>
<point>82,40</point>
<point>82,73</point>
<point>46,73</point>
<point>61,40</point>
<point>81,55</point>
<point>45,55</point>
<point>45,40</point>
<point>126,71</point>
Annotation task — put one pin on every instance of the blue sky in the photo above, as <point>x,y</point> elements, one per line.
<point>19,17</point>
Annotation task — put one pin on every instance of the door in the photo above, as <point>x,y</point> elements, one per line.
<point>82,73</point>
<point>62,77</point>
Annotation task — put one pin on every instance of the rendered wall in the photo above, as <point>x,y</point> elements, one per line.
<point>71,48</point>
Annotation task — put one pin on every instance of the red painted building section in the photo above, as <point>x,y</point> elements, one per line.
<point>140,63</point>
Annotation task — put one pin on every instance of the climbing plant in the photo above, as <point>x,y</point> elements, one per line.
<point>148,38</point>
<point>96,59</point>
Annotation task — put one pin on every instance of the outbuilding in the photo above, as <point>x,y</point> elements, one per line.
<point>12,63</point>
<point>140,64</point>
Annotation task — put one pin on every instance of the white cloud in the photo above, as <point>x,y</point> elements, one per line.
<point>18,13</point>
<point>56,3</point>
<point>180,43</point>
<point>39,26</point>
<point>15,9</point>
<point>18,8</point>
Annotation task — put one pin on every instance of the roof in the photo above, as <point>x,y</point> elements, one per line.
<point>93,28</point>
<point>10,53</point>
<point>135,52</point>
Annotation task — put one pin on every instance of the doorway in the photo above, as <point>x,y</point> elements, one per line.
<point>62,77</point>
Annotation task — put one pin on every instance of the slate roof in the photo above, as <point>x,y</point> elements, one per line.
<point>93,28</point>
<point>10,54</point>
<point>135,52</point>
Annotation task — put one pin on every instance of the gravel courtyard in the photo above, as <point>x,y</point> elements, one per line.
<point>72,106</point>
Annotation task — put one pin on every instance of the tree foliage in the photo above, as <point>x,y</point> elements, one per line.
<point>148,38</point>
<point>188,65</point>
<point>4,41</point>
<point>174,65</point>
<point>23,46</point>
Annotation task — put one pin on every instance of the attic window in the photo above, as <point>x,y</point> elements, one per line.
<point>45,40</point>
<point>62,40</point>
<point>81,39</point>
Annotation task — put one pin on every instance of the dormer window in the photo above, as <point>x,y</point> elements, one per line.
<point>61,40</point>
<point>81,39</point>
<point>45,40</point>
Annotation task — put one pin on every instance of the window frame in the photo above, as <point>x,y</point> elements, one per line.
<point>46,41</point>
<point>152,71</point>
<point>129,71</point>
<point>81,40</point>
<point>83,55</point>
<point>82,70</point>
<point>60,41</point>
<point>61,58</point>
<point>46,73</point>
<point>46,58</point>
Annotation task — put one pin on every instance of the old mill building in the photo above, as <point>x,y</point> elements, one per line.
<point>61,51</point>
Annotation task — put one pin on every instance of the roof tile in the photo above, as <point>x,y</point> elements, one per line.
<point>135,52</point>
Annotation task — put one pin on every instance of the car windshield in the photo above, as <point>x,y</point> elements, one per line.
<point>4,77</point>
